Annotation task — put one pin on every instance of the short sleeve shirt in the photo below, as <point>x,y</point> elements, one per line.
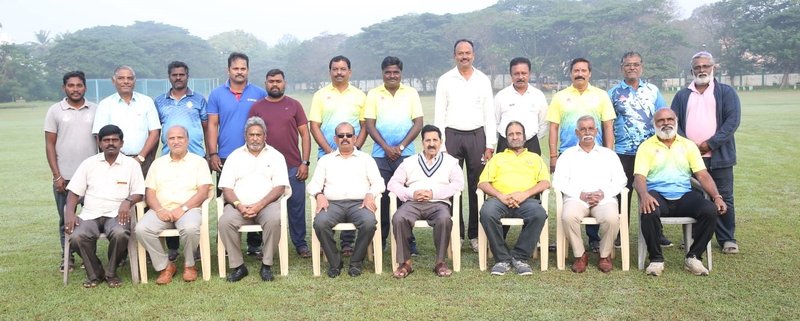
<point>509,172</point>
<point>136,119</point>
<point>282,118</point>
<point>105,186</point>
<point>570,104</point>
<point>668,169</point>
<point>253,177</point>
<point>393,115</point>
<point>635,110</point>
<point>188,111</point>
<point>176,181</point>
<point>232,114</point>
<point>329,107</point>
<point>73,129</point>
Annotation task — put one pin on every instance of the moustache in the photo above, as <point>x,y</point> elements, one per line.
<point>587,138</point>
<point>580,77</point>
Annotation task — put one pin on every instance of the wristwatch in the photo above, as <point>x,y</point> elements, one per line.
<point>184,208</point>
<point>140,158</point>
<point>402,147</point>
<point>305,162</point>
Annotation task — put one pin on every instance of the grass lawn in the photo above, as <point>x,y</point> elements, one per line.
<point>756,284</point>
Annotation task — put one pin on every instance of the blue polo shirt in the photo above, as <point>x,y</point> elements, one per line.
<point>232,114</point>
<point>635,110</point>
<point>190,112</point>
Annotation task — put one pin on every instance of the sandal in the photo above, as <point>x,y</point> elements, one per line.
<point>730,248</point>
<point>442,270</point>
<point>403,271</point>
<point>89,284</point>
<point>114,282</point>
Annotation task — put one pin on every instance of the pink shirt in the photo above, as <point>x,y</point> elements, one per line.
<point>701,115</point>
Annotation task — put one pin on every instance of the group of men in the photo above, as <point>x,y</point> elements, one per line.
<point>259,142</point>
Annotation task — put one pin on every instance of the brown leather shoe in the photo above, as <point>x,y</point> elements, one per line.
<point>579,266</point>
<point>605,265</point>
<point>189,273</point>
<point>165,276</point>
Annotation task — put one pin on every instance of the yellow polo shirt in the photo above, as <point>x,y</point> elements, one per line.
<point>176,181</point>
<point>329,107</point>
<point>570,104</point>
<point>509,172</point>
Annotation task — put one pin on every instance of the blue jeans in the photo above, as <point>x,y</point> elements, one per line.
<point>296,205</point>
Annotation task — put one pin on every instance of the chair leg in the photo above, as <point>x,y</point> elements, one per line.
<point>66,258</point>
<point>377,249</point>
<point>482,247</point>
<point>544,239</point>
<point>315,252</point>
<point>132,255</point>
<point>220,256</point>
<point>561,245</point>
<point>393,248</point>
<point>142,255</point>
<point>205,253</point>
<point>641,249</point>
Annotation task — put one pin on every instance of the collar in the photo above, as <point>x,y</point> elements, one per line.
<point>710,88</point>
<point>101,157</point>
<point>66,106</point>
<point>337,153</point>
<point>623,84</point>
<point>575,90</point>
<point>119,98</point>
<point>189,93</point>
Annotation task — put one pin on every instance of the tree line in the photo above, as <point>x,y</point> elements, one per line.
<point>746,36</point>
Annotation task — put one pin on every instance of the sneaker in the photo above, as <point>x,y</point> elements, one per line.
<point>655,268</point>
<point>501,268</point>
<point>595,245</point>
<point>523,268</point>
<point>665,242</point>
<point>693,265</point>
<point>474,244</point>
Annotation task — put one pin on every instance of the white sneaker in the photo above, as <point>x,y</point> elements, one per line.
<point>693,265</point>
<point>655,268</point>
<point>474,244</point>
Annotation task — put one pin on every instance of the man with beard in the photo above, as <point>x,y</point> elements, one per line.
<point>336,103</point>
<point>110,184</point>
<point>523,103</point>
<point>285,120</point>
<point>635,101</point>
<point>664,166</point>
<point>511,179</point>
<point>465,110</point>
<point>425,184</point>
<point>589,176</point>
<point>345,184</point>
<point>393,114</point>
<point>134,113</point>
<point>566,107</point>
<point>253,181</point>
<point>228,106</point>
<point>710,114</point>
<point>180,106</point>
<point>68,141</point>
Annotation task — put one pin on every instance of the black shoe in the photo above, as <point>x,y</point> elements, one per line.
<point>354,271</point>
<point>664,242</point>
<point>595,245</point>
<point>347,250</point>
<point>173,255</point>
<point>412,246</point>
<point>237,274</point>
<point>266,273</point>
<point>253,250</point>
<point>334,271</point>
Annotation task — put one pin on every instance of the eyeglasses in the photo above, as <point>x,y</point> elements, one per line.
<point>701,67</point>
<point>634,65</point>
<point>344,135</point>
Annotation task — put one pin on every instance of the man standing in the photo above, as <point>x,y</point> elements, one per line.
<point>285,120</point>
<point>635,101</point>
<point>425,184</point>
<point>336,103</point>
<point>511,179</point>
<point>253,181</point>
<point>345,184</point>
<point>175,188</point>
<point>464,108</point>
<point>567,106</point>
<point>523,103</point>
<point>68,141</point>
<point>710,114</point>
<point>589,176</point>
<point>134,113</point>
<point>393,114</point>
<point>664,166</point>
<point>110,184</point>
<point>180,106</point>
<point>228,107</point>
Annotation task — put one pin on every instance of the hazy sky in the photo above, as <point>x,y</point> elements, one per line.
<point>267,20</point>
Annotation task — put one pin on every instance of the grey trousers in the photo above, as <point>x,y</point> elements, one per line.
<point>228,228</point>
<point>84,238</point>
<point>437,214</point>
<point>188,226</point>
<point>345,211</point>
<point>533,216</point>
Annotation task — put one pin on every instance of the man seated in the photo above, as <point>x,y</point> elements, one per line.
<point>345,184</point>
<point>663,168</point>
<point>110,184</point>
<point>589,176</point>
<point>253,180</point>
<point>511,179</point>
<point>425,184</point>
<point>175,188</point>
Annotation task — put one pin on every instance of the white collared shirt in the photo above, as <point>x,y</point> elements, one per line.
<point>578,171</point>
<point>346,178</point>
<point>253,176</point>
<point>529,108</point>
<point>105,186</point>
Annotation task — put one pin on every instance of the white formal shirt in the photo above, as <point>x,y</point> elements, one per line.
<point>253,176</point>
<point>528,108</point>
<point>136,119</point>
<point>578,171</point>
<point>465,104</point>
<point>104,186</point>
<point>346,178</point>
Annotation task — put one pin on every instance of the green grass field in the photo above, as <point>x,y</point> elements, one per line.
<point>759,283</point>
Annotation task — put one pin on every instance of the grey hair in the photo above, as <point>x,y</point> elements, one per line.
<point>703,54</point>
<point>255,121</point>
<point>344,123</point>
<point>121,68</point>
<point>586,117</point>
<point>185,131</point>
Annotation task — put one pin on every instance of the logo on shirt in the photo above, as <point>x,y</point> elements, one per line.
<point>189,104</point>
<point>251,100</point>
